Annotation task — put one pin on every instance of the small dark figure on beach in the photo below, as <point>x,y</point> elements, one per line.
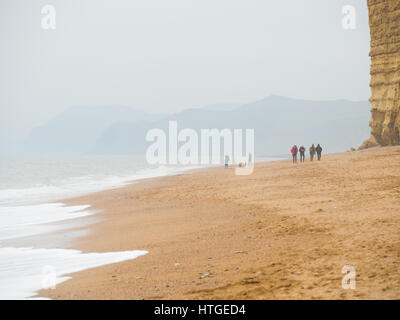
<point>226,161</point>
<point>312,152</point>
<point>302,151</point>
<point>294,151</point>
<point>319,151</point>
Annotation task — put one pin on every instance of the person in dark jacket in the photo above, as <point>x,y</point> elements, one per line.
<point>302,151</point>
<point>319,151</point>
<point>294,151</point>
<point>312,152</point>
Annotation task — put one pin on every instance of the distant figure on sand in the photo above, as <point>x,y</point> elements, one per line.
<point>294,151</point>
<point>312,152</point>
<point>302,151</point>
<point>226,161</point>
<point>319,151</point>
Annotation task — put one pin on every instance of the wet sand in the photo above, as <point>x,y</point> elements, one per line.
<point>284,232</point>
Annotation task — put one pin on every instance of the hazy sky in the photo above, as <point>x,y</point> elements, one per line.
<point>167,55</point>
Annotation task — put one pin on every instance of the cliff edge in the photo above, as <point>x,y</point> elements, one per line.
<point>384,23</point>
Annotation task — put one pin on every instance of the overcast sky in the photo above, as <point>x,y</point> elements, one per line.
<point>168,55</point>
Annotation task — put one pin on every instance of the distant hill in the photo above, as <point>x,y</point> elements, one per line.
<point>222,106</point>
<point>76,130</point>
<point>279,122</point>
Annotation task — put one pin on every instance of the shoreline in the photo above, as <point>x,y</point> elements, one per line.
<point>42,248</point>
<point>88,214</point>
<point>281,233</point>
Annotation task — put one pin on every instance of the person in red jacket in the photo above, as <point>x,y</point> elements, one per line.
<point>294,152</point>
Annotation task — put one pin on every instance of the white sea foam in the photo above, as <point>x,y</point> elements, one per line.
<point>29,220</point>
<point>23,271</point>
<point>26,270</point>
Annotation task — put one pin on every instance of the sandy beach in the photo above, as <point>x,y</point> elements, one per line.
<point>284,232</point>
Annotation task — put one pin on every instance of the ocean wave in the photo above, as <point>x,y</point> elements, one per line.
<point>23,271</point>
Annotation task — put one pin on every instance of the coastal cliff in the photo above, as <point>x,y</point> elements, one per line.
<point>384,22</point>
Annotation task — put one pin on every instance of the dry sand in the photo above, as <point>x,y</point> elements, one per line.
<point>284,232</point>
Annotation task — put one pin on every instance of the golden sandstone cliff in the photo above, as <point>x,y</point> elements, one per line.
<point>384,23</point>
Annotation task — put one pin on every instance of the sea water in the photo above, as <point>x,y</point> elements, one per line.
<point>30,193</point>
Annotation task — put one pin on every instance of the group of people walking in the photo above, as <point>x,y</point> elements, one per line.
<point>313,150</point>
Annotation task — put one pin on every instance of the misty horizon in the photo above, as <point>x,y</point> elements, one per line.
<point>278,122</point>
<point>164,58</point>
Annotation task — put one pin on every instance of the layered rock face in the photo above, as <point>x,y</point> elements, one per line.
<point>384,22</point>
